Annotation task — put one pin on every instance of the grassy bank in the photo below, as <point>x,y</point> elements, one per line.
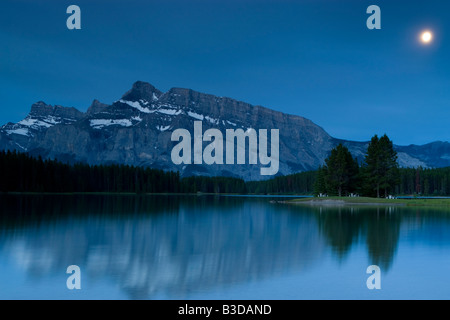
<point>373,201</point>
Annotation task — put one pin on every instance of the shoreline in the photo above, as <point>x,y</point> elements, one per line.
<point>365,201</point>
<point>304,200</point>
<point>340,203</point>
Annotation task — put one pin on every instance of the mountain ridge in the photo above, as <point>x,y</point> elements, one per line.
<point>136,130</point>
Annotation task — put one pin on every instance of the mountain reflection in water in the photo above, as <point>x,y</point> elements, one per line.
<point>174,246</point>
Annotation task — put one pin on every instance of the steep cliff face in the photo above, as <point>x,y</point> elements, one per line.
<point>24,135</point>
<point>136,130</point>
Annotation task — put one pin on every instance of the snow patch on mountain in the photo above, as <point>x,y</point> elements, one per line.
<point>19,131</point>
<point>35,123</point>
<point>137,105</point>
<point>212,120</point>
<point>196,115</point>
<point>163,128</point>
<point>201,117</point>
<point>101,123</point>
<point>163,109</point>
<point>170,112</point>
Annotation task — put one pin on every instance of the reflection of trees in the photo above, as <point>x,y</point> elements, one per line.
<point>158,246</point>
<point>344,226</point>
<point>383,232</point>
<point>340,227</point>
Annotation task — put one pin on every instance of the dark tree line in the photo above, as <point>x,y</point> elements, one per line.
<point>410,181</point>
<point>420,181</point>
<point>20,172</point>
<point>341,174</point>
<point>23,173</point>
<point>299,183</point>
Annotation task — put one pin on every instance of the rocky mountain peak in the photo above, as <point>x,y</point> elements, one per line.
<point>181,97</point>
<point>96,107</point>
<point>142,90</point>
<point>41,110</point>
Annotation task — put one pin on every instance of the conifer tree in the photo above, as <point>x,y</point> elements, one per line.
<point>381,167</point>
<point>341,171</point>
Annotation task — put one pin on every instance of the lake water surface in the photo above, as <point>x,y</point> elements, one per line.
<point>206,247</point>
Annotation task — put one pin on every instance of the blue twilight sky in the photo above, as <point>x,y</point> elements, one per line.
<point>313,58</point>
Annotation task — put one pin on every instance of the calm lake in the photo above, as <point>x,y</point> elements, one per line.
<point>206,247</point>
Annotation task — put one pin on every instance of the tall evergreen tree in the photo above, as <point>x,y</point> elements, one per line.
<point>341,171</point>
<point>381,167</point>
<point>372,166</point>
<point>389,165</point>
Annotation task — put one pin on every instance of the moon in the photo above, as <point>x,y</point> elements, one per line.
<point>426,37</point>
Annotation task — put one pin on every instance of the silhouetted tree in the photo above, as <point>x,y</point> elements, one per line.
<point>341,171</point>
<point>381,167</point>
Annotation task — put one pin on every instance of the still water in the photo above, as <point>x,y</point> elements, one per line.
<point>205,247</point>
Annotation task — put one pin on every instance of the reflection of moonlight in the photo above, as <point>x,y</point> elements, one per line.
<point>426,37</point>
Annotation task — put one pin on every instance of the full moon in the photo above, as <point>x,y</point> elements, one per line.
<point>426,37</point>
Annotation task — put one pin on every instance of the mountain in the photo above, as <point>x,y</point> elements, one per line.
<point>136,130</point>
